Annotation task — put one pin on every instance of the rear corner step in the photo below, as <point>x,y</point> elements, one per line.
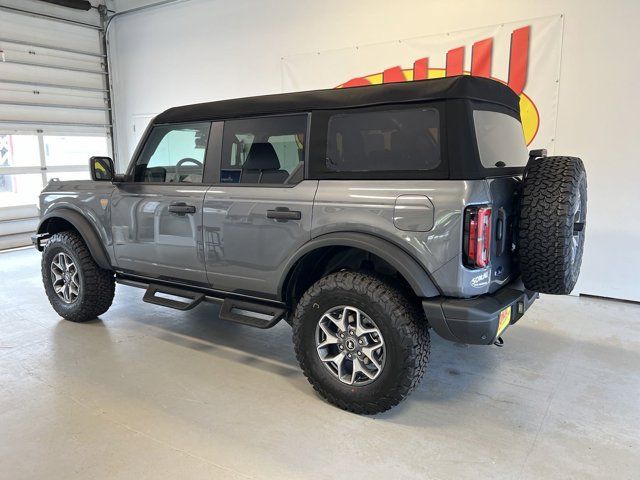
<point>249,313</point>
<point>191,298</point>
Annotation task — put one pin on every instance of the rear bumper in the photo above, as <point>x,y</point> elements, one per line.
<point>475,320</point>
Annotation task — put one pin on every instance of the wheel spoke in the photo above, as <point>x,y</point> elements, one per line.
<point>330,337</point>
<point>338,322</point>
<point>369,352</point>
<point>65,277</point>
<point>350,345</point>
<point>358,367</point>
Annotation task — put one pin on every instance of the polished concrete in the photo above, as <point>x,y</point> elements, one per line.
<point>148,392</point>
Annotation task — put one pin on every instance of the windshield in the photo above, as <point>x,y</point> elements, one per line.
<point>500,140</point>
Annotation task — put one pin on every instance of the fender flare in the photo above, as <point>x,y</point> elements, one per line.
<point>415,275</point>
<point>86,230</point>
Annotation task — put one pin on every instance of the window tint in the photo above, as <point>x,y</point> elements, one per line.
<point>393,140</point>
<point>266,150</point>
<point>173,154</point>
<point>500,139</point>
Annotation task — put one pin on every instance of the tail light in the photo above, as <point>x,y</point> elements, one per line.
<point>477,236</point>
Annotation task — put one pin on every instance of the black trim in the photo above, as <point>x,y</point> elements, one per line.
<point>142,281</point>
<point>86,230</point>
<point>475,320</point>
<point>464,86</point>
<point>415,275</point>
<point>214,154</point>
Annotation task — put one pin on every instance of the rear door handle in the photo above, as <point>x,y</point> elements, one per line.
<point>501,231</point>
<point>181,208</point>
<point>283,214</point>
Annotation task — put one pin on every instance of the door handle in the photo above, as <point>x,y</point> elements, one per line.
<point>501,231</point>
<point>283,214</point>
<point>181,208</point>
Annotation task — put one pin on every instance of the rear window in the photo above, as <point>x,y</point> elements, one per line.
<point>500,139</point>
<point>385,140</point>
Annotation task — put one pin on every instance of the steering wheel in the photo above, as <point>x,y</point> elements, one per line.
<point>182,162</point>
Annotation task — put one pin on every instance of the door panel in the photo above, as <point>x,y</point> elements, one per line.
<point>149,239</point>
<point>244,248</point>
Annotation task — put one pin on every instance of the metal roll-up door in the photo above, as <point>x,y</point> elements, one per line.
<point>54,104</point>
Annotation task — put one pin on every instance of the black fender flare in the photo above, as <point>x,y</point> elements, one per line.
<point>415,275</point>
<point>86,231</point>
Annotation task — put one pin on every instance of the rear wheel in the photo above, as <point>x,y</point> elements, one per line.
<point>77,288</point>
<point>361,343</point>
<point>553,214</point>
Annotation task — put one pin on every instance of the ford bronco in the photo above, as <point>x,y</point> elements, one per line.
<point>365,217</point>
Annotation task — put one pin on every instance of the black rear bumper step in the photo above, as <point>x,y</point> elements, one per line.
<point>193,298</point>
<point>475,320</point>
<point>250,313</point>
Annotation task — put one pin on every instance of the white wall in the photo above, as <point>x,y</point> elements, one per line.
<point>203,50</point>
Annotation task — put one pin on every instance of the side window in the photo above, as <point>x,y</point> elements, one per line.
<point>173,154</point>
<point>384,140</point>
<point>267,150</point>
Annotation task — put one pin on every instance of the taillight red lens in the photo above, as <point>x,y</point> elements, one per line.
<point>477,236</point>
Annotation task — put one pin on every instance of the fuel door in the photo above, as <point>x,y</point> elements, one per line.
<point>413,213</point>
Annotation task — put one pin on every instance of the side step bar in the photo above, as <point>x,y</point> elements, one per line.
<point>250,313</point>
<point>193,298</point>
<point>246,312</point>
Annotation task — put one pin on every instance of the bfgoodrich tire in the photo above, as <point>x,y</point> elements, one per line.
<point>77,288</point>
<point>552,223</point>
<point>378,335</point>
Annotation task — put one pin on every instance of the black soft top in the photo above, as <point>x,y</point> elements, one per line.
<point>460,87</point>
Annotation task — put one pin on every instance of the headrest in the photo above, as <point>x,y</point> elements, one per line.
<point>262,156</point>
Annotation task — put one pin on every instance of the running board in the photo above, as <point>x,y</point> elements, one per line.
<point>192,298</point>
<point>253,314</point>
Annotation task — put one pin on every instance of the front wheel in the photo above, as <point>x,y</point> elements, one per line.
<point>77,288</point>
<point>361,343</point>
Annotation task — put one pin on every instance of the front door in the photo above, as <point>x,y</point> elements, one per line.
<point>156,215</point>
<point>259,212</point>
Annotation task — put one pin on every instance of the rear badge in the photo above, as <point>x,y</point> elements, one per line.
<point>480,280</point>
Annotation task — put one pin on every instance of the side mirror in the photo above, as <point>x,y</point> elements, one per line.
<point>102,169</point>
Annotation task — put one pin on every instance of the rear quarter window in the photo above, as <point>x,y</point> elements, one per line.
<point>500,139</point>
<point>392,140</point>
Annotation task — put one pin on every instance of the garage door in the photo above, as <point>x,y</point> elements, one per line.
<point>54,105</point>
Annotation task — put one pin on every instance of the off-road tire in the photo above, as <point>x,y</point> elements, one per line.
<point>400,321</point>
<point>97,285</point>
<point>550,235</point>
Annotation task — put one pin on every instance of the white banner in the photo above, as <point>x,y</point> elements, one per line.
<point>525,55</point>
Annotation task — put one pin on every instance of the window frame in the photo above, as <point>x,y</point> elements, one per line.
<point>480,170</point>
<point>129,174</point>
<point>216,177</point>
<point>319,141</point>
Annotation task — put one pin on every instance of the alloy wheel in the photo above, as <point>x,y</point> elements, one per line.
<point>350,345</point>
<point>65,278</point>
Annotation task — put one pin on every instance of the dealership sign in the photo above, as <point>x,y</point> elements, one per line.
<point>524,55</point>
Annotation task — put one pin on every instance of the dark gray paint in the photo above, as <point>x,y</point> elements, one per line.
<point>231,245</point>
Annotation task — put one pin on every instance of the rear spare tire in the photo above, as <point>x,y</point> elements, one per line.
<point>553,209</point>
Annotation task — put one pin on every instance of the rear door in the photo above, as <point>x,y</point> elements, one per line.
<point>259,212</point>
<point>156,216</point>
<point>501,149</point>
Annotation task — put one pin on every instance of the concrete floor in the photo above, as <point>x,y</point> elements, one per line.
<point>148,392</point>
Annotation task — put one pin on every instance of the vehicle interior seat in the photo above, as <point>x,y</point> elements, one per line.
<point>262,165</point>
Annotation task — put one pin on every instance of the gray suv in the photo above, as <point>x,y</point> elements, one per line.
<point>364,217</point>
